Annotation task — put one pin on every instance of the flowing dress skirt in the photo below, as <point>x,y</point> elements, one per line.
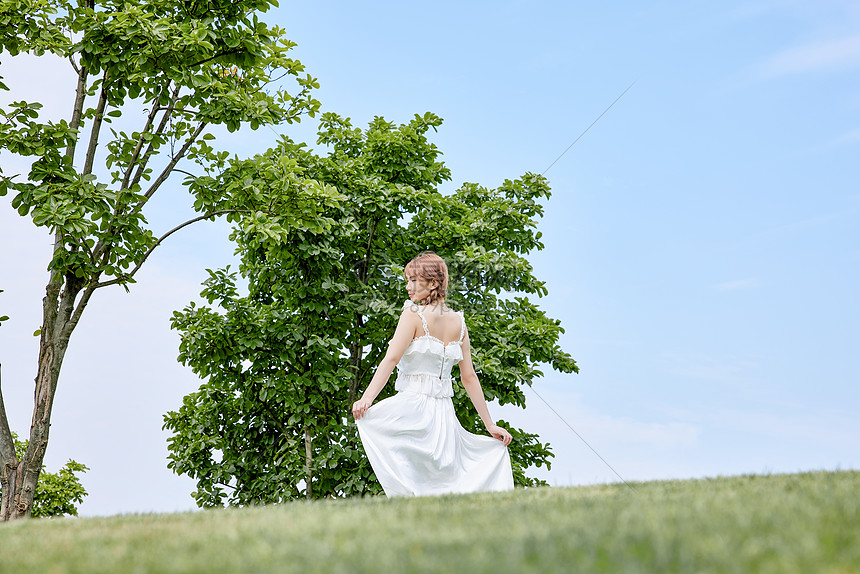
<point>417,447</point>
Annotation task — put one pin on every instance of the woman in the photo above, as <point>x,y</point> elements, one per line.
<point>414,441</point>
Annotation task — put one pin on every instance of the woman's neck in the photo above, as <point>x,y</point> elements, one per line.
<point>437,304</point>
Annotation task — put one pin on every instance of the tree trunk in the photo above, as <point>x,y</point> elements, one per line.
<point>356,352</point>
<point>9,476</point>
<point>58,321</point>
<point>309,459</point>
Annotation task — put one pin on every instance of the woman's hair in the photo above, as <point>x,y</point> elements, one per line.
<point>430,267</point>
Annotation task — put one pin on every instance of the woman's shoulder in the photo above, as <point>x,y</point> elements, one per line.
<point>409,309</point>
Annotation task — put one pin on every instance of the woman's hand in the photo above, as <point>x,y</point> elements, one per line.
<point>360,407</point>
<point>500,433</point>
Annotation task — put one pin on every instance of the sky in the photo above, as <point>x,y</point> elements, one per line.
<point>702,243</point>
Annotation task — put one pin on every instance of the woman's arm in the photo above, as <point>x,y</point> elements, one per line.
<point>403,335</point>
<point>470,381</point>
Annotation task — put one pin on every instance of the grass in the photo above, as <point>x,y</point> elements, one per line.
<point>799,523</point>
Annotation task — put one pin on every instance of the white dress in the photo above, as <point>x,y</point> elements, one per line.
<point>413,439</point>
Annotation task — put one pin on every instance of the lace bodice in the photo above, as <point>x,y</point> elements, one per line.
<point>425,366</point>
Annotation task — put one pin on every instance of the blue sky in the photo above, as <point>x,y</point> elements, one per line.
<point>702,240</point>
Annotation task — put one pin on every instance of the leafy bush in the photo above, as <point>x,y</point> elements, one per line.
<point>56,494</point>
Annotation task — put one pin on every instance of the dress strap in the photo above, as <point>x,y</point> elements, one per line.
<point>462,326</point>
<point>423,320</point>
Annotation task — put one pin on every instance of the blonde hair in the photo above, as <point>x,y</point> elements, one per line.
<point>430,267</point>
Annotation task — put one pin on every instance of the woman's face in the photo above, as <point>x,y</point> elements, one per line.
<point>418,288</point>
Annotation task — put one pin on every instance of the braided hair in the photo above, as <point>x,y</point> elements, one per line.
<point>430,267</point>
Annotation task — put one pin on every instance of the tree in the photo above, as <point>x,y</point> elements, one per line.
<point>177,69</point>
<point>282,364</point>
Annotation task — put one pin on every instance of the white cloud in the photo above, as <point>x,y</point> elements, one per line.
<point>837,53</point>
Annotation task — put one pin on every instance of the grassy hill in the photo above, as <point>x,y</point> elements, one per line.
<point>800,523</point>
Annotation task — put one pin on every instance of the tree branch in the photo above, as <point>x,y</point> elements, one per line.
<point>188,111</point>
<point>102,249</point>
<point>55,277</point>
<point>149,121</point>
<point>97,126</point>
<point>168,113</point>
<point>126,276</point>
<point>215,57</point>
<point>77,110</point>
<point>7,444</point>
<point>162,177</point>
<point>79,308</point>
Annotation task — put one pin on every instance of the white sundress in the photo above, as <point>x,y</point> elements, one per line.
<point>413,439</point>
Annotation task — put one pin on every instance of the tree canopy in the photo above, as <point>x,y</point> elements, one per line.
<point>282,364</point>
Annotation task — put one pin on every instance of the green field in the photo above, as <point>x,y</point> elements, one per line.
<point>797,523</point>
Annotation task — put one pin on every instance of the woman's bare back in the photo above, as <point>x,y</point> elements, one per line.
<point>443,323</point>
